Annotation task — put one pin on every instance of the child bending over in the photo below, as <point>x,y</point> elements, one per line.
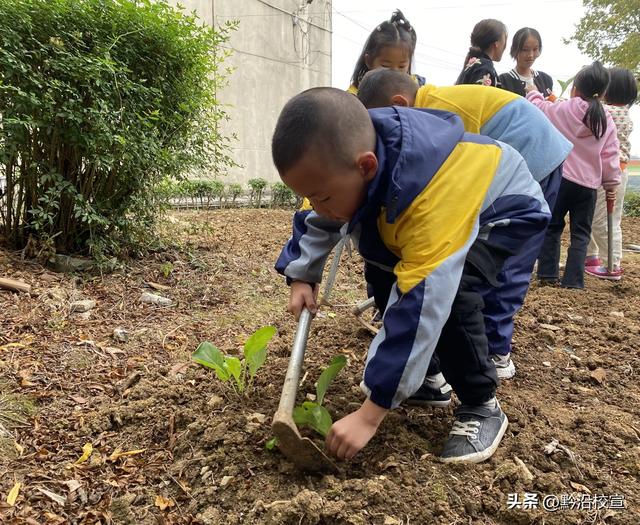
<point>439,207</point>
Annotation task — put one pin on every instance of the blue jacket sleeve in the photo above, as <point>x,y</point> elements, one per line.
<point>305,254</point>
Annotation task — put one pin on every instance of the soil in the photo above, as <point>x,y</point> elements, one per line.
<point>172,444</point>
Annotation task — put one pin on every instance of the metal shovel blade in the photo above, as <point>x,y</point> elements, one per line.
<point>301,451</point>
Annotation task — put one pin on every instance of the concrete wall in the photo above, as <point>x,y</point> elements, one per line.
<point>280,48</point>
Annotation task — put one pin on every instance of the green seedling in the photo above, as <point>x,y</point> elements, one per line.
<point>311,413</point>
<point>166,269</point>
<point>271,444</point>
<point>564,85</point>
<point>229,367</point>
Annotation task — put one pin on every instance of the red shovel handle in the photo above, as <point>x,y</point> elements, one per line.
<point>611,202</point>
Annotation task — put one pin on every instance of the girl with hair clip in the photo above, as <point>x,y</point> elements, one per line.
<point>621,95</point>
<point>592,163</point>
<point>488,42</point>
<point>390,45</point>
<point>526,47</point>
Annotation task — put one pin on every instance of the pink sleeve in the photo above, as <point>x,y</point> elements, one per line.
<point>536,98</point>
<point>610,157</point>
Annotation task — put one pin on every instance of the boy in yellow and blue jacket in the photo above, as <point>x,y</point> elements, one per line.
<point>509,118</point>
<point>440,208</point>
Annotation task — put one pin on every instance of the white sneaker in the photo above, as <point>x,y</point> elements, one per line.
<point>504,365</point>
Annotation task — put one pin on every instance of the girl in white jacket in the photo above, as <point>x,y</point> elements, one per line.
<point>621,95</point>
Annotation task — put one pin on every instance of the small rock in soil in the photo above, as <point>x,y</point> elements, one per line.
<point>121,335</point>
<point>66,264</point>
<point>152,298</point>
<point>616,314</point>
<point>256,417</point>
<point>551,327</point>
<point>224,482</point>
<point>82,306</point>
<point>599,375</point>
<point>546,363</point>
<point>525,473</point>
<point>214,401</point>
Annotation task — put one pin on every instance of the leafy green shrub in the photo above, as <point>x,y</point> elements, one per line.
<point>311,413</point>
<point>165,191</point>
<point>230,367</point>
<point>257,189</point>
<point>217,191</point>
<point>282,196</point>
<point>631,207</point>
<point>234,190</point>
<point>101,100</point>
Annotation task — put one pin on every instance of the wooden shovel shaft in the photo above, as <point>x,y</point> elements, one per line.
<point>290,386</point>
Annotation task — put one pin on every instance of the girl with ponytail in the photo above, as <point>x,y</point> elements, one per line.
<point>593,162</point>
<point>488,42</point>
<point>390,45</point>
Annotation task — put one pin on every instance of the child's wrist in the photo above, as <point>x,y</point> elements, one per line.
<point>373,414</point>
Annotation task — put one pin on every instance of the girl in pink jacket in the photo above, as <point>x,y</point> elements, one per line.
<point>592,163</point>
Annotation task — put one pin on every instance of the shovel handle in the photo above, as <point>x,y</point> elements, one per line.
<point>290,386</point>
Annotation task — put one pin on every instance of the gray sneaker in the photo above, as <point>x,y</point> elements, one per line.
<point>504,365</point>
<point>476,433</point>
<point>434,392</point>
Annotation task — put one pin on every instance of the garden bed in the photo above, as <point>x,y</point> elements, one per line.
<point>171,444</point>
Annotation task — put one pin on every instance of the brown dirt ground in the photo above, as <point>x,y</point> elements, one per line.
<point>199,450</point>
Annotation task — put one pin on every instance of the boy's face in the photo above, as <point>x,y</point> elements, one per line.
<point>335,191</point>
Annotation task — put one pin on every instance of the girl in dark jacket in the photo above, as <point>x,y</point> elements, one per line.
<point>488,42</point>
<point>526,47</point>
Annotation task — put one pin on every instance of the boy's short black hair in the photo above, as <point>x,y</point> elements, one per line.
<point>379,85</point>
<point>329,119</point>
<point>623,87</point>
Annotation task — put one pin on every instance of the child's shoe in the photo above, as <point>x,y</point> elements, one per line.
<point>476,433</point>
<point>592,260</point>
<point>603,273</point>
<point>504,365</point>
<point>435,392</point>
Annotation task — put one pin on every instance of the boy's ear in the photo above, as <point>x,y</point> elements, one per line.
<point>400,100</point>
<point>368,165</point>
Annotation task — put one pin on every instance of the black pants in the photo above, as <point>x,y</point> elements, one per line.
<point>462,352</point>
<point>580,203</point>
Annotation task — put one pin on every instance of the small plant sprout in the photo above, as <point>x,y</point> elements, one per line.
<point>166,269</point>
<point>229,367</point>
<point>564,85</point>
<point>311,413</point>
<point>271,444</point>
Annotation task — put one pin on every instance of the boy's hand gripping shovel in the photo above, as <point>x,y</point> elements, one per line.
<point>610,205</point>
<point>303,452</point>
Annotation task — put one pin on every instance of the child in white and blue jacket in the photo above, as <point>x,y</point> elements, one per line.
<point>439,207</point>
